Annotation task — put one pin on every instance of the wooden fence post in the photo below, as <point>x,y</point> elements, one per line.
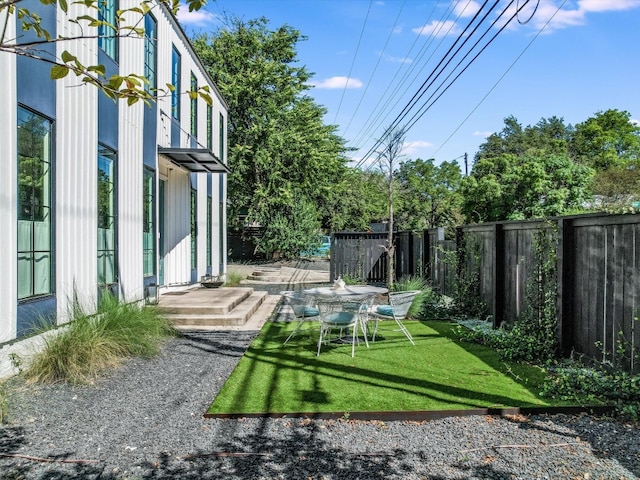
<point>565,284</point>
<point>498,275</point>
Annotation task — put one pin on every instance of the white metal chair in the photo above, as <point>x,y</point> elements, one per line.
<point>398,308</point>
<point>342,314</point>
<point>303,309</point>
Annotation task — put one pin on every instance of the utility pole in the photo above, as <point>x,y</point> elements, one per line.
<point>466,165</point>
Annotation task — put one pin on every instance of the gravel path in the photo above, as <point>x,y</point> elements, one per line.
<point>145,422</point>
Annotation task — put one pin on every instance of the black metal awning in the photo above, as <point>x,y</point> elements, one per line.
<point>194,159</point>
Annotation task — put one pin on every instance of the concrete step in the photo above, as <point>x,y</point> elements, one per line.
<point>194,318</point>
<point>203,301</point>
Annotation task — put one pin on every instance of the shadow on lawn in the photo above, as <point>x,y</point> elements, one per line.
<point>286,360</point>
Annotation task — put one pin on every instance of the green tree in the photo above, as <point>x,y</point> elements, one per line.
<point>34,38</point>
<point>280,151</point>
<point>549,134</point>
<point>429,195</point>
<point>534,185</point>
<point>610,143</point>
<point>356,200</point>
<point>606,140</point>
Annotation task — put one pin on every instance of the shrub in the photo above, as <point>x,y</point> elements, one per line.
<point>233,278</point>
<point>414,283</point>
<point>90,344</point>
<point>595,385</point>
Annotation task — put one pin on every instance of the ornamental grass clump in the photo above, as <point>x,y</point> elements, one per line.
<point>408,283</point>
<point>92,344</point>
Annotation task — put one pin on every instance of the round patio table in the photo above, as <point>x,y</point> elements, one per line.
<point>347,290</point>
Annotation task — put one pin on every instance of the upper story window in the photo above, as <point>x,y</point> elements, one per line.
<point>35,232</point>
<point>107,32</point>
<point>194,107</point>
<point>209,127</point>
<point>150,52</point>
<point>175,81</point>
<point>221,137</point>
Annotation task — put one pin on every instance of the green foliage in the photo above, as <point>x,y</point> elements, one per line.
<point>428,195</point>
<point>425,296</point>
<point>608,139</point>
<point>3,403</point>
<point>288,230</point>
<point>467,298</point>
<point>279,149</point>
<point>92,344</point>
<point>233,278</point>
<point>535,184</point>
<point>131,87</point>
<point>592,386</point>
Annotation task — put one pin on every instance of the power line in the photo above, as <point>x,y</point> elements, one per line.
<point>374,69</point>
<point>353,61</point>
<point>434,74</point>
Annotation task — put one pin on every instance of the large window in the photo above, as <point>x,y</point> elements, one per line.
<point>107,34</point>
<point>150,52</point>
<point>107,247</point>
<point>194,229</point>
<point>194,107</point>
<point>148,224</point>
<point>175,81</point>
<point>35,233</point>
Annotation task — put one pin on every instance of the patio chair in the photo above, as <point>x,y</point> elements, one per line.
<point>303,309</point>
<point>399,304</point>
<point>342,313</point>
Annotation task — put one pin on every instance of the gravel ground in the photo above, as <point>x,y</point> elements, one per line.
<point>145,421</point>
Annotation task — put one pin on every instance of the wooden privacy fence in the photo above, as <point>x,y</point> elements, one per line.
<point>596,274</point>
<point>362,255</point>
<point>597,266</point>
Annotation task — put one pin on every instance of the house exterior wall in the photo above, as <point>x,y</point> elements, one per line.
<point>82,120</point>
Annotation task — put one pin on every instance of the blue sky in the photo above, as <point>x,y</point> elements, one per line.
<point>369,58</point>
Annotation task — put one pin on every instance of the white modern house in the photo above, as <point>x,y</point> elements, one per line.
<point>96,195</point>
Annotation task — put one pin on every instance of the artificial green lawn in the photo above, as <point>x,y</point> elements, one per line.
<point>438,373</point>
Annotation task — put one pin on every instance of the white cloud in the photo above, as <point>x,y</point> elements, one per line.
<point>199,18</point>
<point>478,133</point>
<point>337,82</point>
<point>411,148</point>
<point>635,122</point>
<point>576,16</point>
<point>392,59</point>
<point>438,29</point>
<point>466,9</point>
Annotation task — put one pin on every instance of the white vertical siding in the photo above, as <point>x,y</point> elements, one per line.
<point>177,241</point>
<point>130,173</point>
<point>8,188</point>
<point>76,177</point>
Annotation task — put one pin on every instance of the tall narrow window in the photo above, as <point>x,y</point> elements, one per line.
<point>175,81</point>
<point>35,235</point>
<point>194,229</point>
<point>221,137</point>
<point>107,247</point>
<point>150,52</point>
<point>194,107</point>
<point>209,230</point>
<point>107,33</point>
<point>209,127</point>
<point>148,224</point>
